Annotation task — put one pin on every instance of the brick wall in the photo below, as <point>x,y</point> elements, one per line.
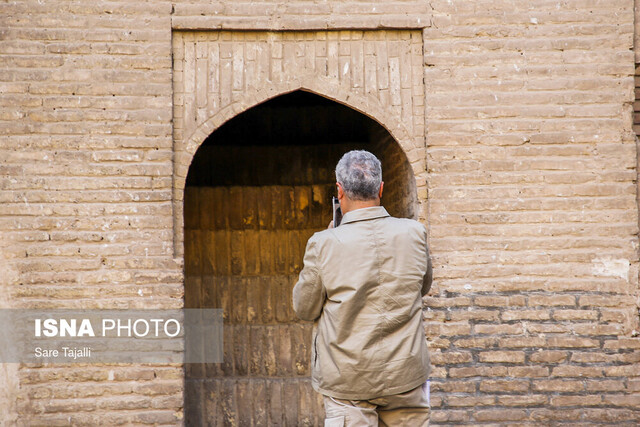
<point>86,149</point>
<point>399,196</point>
<point>246,228</point>
<point>245,260</point>
<point>532,212</point>
<point>530,192</point>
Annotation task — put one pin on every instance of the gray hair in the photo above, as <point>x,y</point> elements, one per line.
<point>360,174</point>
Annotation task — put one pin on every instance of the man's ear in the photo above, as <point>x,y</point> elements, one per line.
<point>340,191</point>
<point>380,192</point>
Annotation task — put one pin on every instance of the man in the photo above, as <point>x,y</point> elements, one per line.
<point>363,282</point>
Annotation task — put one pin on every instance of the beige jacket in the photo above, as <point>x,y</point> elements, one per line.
<point>363,283</point>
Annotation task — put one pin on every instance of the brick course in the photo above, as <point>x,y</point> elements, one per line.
<point>517,120</point>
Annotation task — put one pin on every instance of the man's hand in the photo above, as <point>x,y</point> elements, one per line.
<point>330,224</point>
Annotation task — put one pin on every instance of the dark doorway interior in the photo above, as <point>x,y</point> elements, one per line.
<point>257,189</point>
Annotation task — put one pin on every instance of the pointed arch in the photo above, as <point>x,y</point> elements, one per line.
<point>366,104</point>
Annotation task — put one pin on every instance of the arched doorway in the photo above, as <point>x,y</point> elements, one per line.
<point>257,189</point>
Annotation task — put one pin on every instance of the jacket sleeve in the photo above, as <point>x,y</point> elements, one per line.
<point>428,276</point>
<point>309,294</point>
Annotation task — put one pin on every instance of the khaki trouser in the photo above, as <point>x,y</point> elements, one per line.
<point>405,409</point>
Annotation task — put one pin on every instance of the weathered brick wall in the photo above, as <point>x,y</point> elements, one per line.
<point>241,255</point>
<point>85,119</point>
<point>246,228</point>
<point>531,194</point>
<point>399,196</point>
<point>532,212</point>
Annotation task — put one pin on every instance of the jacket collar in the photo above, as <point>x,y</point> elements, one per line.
<point>364,214</point>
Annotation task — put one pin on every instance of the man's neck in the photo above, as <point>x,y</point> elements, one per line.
<point>351,205</point>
